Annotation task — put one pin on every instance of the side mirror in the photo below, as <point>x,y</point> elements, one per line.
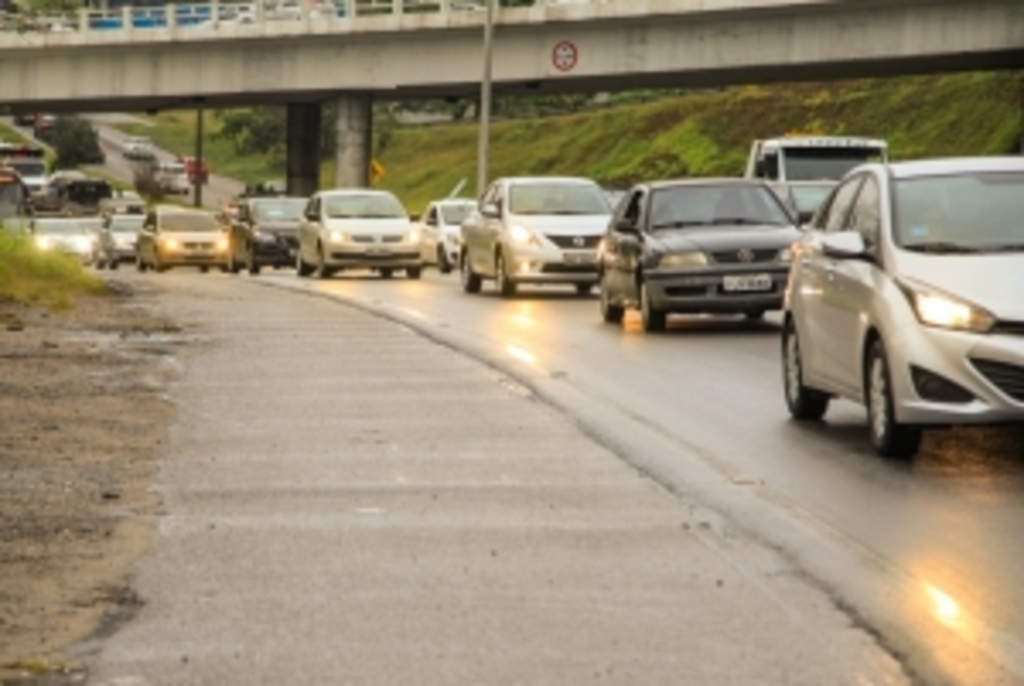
<point>490,210</point>
<point>845,245</point>
<point>627,226</point>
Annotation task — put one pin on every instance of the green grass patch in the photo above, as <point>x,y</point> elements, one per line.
<point>29,275</point>
<point>176,132</point>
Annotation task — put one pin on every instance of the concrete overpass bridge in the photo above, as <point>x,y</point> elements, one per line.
<point>432,48</point>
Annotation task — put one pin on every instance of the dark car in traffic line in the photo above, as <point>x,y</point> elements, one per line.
<point>264,233</point>
<point>713,246</point>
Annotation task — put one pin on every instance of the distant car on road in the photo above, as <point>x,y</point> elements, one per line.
<point>118,239</point>
<point>905,296</point>
<point>265,233</point>
<point>137,148</point>
<point>718,246</point>
<point>172,178</point>
<point>441,227</point>
<point>357,229</point>
<point>535,230</point>
<point>63,234</point>
<point>174,236</point>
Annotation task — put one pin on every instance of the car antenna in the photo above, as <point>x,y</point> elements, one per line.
<point>458,188</point>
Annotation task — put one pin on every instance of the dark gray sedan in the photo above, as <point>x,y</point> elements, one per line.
<point>696,246</point>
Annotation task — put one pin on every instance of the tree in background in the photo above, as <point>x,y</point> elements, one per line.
<point>75,142</point>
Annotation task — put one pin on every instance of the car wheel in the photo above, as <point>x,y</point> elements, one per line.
<point>140,264</point>
<point>804,403</point>
<point>470,282</point>
<point>233,266</point>
<point>322,270</point>
<point>158,265</point>
<point>652,318</point>
<point>203,270</point>
<point>444,265</point>
<point>889,437</point>
<point>413,272</point>
<point>610,313</point>
<point>506,286</point>
<point>301,268</point>
<point>386,272</point>
<point>251,265</point>
<point>113,264</point>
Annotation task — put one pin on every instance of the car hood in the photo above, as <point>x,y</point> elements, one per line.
<point>361,225</point>
<point>991,281</point>
<point>279,226</point>
<point>563,224</point>
<point>192,236</point>
<point>726,238</point>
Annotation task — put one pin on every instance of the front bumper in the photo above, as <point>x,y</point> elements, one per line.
<point>708,290</point>
<point>551,265</point>
<point>373,255</point>
<point>989,366</point>
<point>279,252</point>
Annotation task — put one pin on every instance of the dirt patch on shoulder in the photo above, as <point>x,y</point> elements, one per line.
<point>83,417</point>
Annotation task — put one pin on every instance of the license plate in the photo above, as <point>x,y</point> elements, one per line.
<point>580,258</point>
<point>747,282</point>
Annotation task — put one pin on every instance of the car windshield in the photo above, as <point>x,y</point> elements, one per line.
<point>174,168</point>
<point>971,212</point>
<point>710,205</point>
<point>281,210</point>
<point>363,206</point>
<point>808,198</point>
<point>812,164</point>
<point>88,192</point>
<point>29,167</point>
<point>455,214</point>
<point>59,227</point>
<point>188,221</point>
<point>557,198</point>
<point>130,223</point>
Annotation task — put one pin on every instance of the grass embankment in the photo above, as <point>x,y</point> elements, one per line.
<point>28,275</point>
<point>700,134</point>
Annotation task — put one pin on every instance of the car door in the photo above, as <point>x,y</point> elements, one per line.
<point>850,292</point>
<point>494,231</point>
<point>474,231</point>
<point>430,233</point>
<point>309,230</point>
<point>623,247</point>
<point>813,277</point>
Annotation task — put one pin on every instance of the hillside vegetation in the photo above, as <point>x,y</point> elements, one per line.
<point>699,134</point>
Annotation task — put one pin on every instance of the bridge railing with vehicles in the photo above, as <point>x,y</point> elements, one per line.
<point>185,15</point>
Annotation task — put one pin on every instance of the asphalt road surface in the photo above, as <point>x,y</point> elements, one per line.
<point>922,554</point>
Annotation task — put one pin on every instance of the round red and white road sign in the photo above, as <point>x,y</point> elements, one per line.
<point>565,55</point>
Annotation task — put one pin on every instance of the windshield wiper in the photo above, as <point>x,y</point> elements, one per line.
<point>942,248</point>
<point>745,221</point>
<point>678,225</point>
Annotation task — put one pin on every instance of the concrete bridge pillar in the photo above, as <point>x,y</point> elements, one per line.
<point>353,127</point>
<point>302,141</point>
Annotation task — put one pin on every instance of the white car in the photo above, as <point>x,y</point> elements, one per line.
<point>357,229</point>
<point>534,230</point>
<point>64,234</point>
<point>441,229</point>
<point>173,179</point>
<point>905,295</point>
<point>137,148</point>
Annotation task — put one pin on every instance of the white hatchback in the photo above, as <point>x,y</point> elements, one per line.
<point>905,295</point>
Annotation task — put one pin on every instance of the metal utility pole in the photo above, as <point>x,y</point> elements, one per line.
<point>483,147</point>
<point>197,167</point>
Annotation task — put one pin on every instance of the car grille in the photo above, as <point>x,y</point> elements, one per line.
<point>377,239</point>
<point>1011,328</point>
<point>556,268</point>
<point>575,242</point>
<point>198,246</point>
<point>744,256</point>
<point>391,239</point>
<point>1008,378</point>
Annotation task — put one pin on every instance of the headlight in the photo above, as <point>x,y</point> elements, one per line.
<point>786,255</point>
<point>521,235</point>
<point>43,243</point>
<point>221,245</point>
<point>948,312</point>
<point>677,260</point>
<point>170,244</point>
<point>338,236</point>
<point>413,236</point>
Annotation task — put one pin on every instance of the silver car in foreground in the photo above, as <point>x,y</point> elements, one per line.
<point>907,295</point>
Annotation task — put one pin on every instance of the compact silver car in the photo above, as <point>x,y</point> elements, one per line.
<point>441,229</point>
<point>536,230</point>
<point>906,295</point>
<point>357,229</point>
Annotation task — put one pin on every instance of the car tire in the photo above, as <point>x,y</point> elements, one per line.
<point>251,265</point>
<point>888,437</point>
<point>652,319</point>
<point>233,266</point>
<point>301,268</point>
<point>584,288</point>
<point>386,272</point>
<point>113,265</point>
<point>612,314</point>
<point>444,265</point>
<point>204,269</point>
<point>322,270</point>
<point>471,281</point>
<point>413,272</point>
<point>158,266</point>
<point>805,404</point>
<point>140,264</point>
<point>506,286</point>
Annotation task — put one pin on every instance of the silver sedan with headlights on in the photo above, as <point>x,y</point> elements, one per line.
<point>716,246</point>
<point>905,296</point>
<point>357,229</point>
<point>67,235</point>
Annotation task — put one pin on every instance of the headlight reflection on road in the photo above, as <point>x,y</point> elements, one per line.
<point>944,607</point>
<point>521,354</point>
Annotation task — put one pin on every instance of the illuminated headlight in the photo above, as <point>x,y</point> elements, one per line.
<point>677,260</point>
<point>43,243</point>
<point>413,236</point>
<point>221,245</point>
<point>948,312</point>
<point>338,236</point>
<point>170,244</point>
<point>786,255</point>
<point>83,242</point>
<point>521,235</point>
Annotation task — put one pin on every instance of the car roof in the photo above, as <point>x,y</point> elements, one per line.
<point>704,181</point>
<point>356,191</point>
<point>547,179</point>
<point>954,165</point>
